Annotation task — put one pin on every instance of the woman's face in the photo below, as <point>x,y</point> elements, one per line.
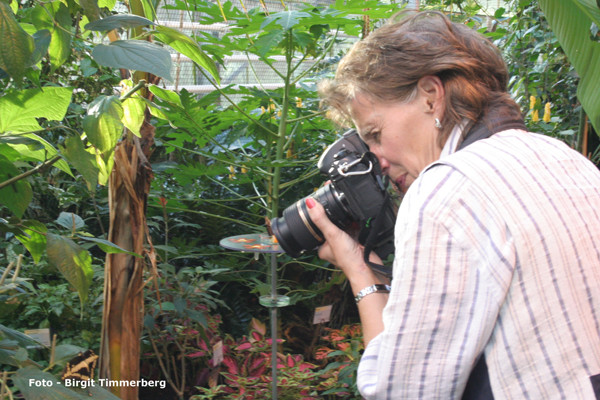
<point>403,135</point>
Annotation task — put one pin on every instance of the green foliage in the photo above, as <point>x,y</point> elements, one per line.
<point>573,22</point>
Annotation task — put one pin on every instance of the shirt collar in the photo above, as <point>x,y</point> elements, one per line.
<point>454,140</point>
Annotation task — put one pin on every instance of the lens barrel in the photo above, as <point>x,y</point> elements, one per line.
<point>296,232</point>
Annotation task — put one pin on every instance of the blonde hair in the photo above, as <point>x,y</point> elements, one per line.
<point>387,65</point>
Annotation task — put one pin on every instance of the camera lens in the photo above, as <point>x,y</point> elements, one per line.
<point>296,232</point>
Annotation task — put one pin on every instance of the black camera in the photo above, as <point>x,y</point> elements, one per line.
<point>356,200</point>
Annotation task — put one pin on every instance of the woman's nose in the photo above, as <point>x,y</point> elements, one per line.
<point>383,163</point>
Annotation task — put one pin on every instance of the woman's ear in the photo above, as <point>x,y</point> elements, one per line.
<point>432,92</point>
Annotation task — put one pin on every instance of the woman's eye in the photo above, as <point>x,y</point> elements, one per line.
<point>374,136</point>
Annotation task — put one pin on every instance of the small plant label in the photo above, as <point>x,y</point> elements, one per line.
<point>218,352</point>
<point>322,314</point>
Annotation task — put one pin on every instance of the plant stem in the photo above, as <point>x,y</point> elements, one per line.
<point>32,171</point>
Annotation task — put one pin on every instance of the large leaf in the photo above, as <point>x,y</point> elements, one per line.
<point>19,110</point>
<point>17,195</point>
<point>103,123</point>
<point>118,21</point>
<point>72,260</point>
<point>55,17</point>
<point>16,46</point>
<point>286,19</point>
<point>108,247</point>
<point>33,238</point>
<point>134,109</point>
<point>82,160</point>
<point>136,55</point>
<point>571,21</point>
<point>188,47</point>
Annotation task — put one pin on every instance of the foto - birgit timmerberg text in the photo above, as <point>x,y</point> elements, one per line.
<point>84,384</point>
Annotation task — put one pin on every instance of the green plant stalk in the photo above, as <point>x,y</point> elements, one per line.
<point>280,145</point>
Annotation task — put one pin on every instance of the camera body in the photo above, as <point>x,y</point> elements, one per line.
<point>356,200</point>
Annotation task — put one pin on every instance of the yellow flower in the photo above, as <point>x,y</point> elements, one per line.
<point>298,102</point>
<point>244,169</point>
<point>547,107</point>
<point>532,101</point>
<point>263,109</point>
<point>271,107</point>
<point>288,153</point>
<point>535,116</point>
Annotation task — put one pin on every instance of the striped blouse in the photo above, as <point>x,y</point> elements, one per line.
<point>497,259</point>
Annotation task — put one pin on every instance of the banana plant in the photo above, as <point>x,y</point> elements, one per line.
<point>575,23</point>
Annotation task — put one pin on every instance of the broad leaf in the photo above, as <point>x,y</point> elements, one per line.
<point>16,46</point>
<point>571,21</point>
<point>133,114</point>
<point>55,17</point>
<point>118,21</point>
<point>109,247</point>
<point>34,239</point>
<point>188,47</point>
<point>103,123</point>
<point>19,110</point>
<point>72,260</point>
<point>42,43</point>
<point>286,19</point>
<point>269,40</point>
<point>81,159</point>
<point>28,153</point>
<point>136,55</point>
<point>16,196</point>
<point>70,221</point>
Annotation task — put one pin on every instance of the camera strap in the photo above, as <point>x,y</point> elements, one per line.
<point>372,238</point>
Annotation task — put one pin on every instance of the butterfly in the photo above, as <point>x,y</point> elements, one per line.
<point>81,367</point>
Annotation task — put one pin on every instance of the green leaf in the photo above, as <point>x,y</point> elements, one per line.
<point>60,45</point>
<point>136,55</point>
<point>188,47</point>
<point>34,239</point>
<point>42,43</point>
<point>133,114</point>
<point>28,153</point>
<point>73,261</point>
<point>81,159</point>
<point>55,17</point>
<point>16,46</point>
<point>166,95</point>
<point>266,42</point>
<point>20,109</point>
<point>108,247</point>
<point>70,221</point>
<point>570,21</point>
<point>118,21</point>
<point>286,19</point>
<point>65,352</point>
<point>103,123</point>
<point>16,196</point>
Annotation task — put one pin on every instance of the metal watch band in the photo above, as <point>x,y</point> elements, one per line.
<point>371,289</point>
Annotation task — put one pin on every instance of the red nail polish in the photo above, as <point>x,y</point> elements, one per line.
<point>310,202</point>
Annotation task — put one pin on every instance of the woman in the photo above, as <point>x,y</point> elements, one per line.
<point>496,279</point>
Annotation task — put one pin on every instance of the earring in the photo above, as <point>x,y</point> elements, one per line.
<point>438,124</point>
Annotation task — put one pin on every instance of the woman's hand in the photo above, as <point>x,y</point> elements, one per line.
<point>341,249</point>
<point>345,252</point>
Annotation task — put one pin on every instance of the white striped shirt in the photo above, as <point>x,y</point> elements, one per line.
<point>497,253</point>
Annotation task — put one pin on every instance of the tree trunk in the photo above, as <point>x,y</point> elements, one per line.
<point>123,287</point>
